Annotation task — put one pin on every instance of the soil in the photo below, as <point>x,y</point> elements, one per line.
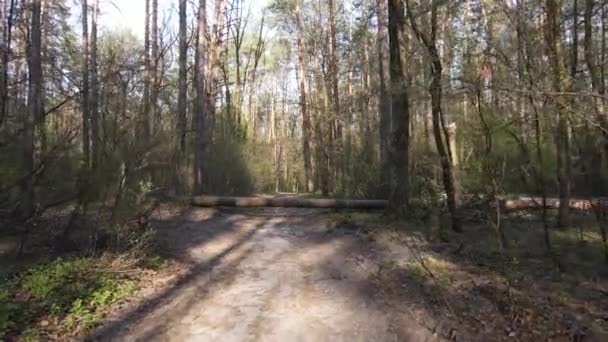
<point>272,274</point>
<point>289,274</point>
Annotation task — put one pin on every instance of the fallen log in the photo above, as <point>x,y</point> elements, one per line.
<point>507,204</point>
<point>288,202</point>
<point>525,203</point>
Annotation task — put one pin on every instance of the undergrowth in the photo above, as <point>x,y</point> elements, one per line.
<point>58,298</point>
<point>469,273</point>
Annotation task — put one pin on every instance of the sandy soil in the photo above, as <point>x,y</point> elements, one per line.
<point>264,275</point>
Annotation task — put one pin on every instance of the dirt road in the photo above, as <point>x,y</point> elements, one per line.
<point>264,275</point>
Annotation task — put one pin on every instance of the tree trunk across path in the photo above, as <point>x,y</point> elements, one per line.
<point>294,202</point>
<point>506,203</point>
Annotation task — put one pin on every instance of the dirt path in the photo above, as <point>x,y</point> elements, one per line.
<point>264,275</point>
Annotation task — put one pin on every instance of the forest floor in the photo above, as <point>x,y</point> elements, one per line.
<point>280,274</point>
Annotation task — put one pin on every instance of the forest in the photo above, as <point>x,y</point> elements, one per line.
<point>471,133</point>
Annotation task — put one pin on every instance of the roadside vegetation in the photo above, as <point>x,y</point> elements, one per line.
<point>468,280</point>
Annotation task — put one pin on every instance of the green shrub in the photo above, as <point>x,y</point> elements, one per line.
<point>58,282</point>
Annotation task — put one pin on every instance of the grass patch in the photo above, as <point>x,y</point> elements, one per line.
<point>62,297</point>
<point>440,270</point>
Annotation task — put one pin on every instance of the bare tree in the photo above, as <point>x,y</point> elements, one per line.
<point>440,131</point>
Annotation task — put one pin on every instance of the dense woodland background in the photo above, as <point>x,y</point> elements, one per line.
<point>405,100</point>
<point>453,111</point>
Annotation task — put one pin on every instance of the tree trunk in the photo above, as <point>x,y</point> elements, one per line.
<point>384,101</point>
<point>337,151</point>
<point>574,51</point>
<point>597,81</point>
<point>303,105</point>
<point>200,116</point>
<point>146,96</point>
<point>155,114</point>
<point>3,64</point>
<point>84,91</point>
<point>214,201</point>
<point>182,101</point>
<point>521,119</point>
<point>207,66</point>
<point>322,136</point>
<point>215,46</point>
<point>400,135</point>
<point>259,49</point>
<point>6,52</point>
<point>35,116</point>
<point>94,95</point>
<point>560,83</point>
